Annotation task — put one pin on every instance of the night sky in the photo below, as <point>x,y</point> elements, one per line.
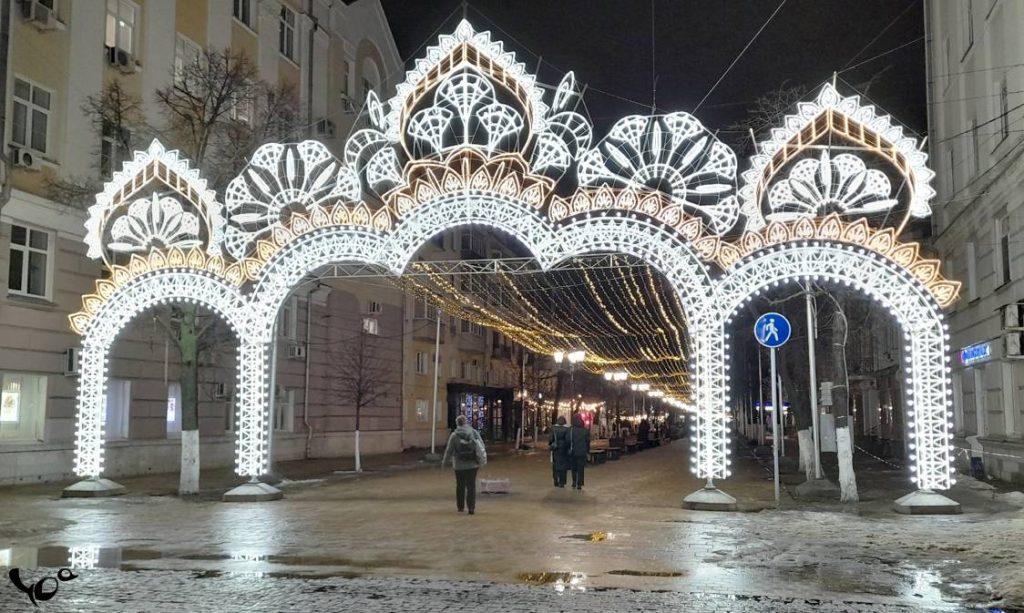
<point>608,44</point>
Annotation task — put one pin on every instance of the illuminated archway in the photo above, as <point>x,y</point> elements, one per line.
<point>471,138</point>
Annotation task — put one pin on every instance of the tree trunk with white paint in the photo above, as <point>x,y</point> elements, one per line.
<point>188,346</point>
<point>847,478</point>
<point>189,480</point>
<point>359,465</point>
<point>806,443</point>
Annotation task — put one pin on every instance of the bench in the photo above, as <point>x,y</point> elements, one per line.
<point>614,453</point>
<point>597,456</point>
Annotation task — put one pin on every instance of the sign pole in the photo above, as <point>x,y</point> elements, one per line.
<point>776,424</point>
<point>812,332</point>
<point>433,408</point>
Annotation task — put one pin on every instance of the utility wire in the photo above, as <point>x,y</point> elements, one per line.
<point>879,35</point>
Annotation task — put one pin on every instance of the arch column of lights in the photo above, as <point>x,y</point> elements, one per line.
<point>471,138</point>
<point>100,324</point>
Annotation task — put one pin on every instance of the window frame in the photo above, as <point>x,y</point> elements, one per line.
<point>182,42</point>
<point>371,326</point>
<point>30,109</point>
<point>286,32</point>
<point>251,8</point>
<point>117,156</point>
<point>1002,259</point>
<point>37,424</point>
<point>284,420</point>
<point>422,365</point>
<point>133,38</point>
<point>51,237</point>
<point>288,326</point>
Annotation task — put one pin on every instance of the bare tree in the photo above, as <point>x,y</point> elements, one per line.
<point>363,377</point>
<point>217,112</point>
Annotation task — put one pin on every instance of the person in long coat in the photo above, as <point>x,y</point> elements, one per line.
<point>579,449</point>
<point>558,443</point>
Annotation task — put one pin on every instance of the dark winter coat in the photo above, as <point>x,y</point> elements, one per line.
<point>558,442</point>
<point>460,464</point>
<point>579,442</point>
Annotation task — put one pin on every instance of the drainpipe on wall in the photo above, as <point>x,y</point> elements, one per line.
<point>310,127</point>
<point>5,43</point>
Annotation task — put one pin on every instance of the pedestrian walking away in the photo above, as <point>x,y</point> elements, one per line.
<point>558,443</point>
<point>579,449</point>
<point>465,450</point>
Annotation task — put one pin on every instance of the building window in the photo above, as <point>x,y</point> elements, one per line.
<point>972,272</point>
<point>947,49</point>
<point>284,410</point>
<point>115,149</point>
<point>286,33</point>
<point>243,108</point>
<point>975,151</point>
<point>287,325</point>
<point>121,25</point>
<point>968,25</point>
<point>173,409</point>
<point>22,406</point>
<point>465,326</point>
<point>466,240</point>
<point>31,115</point>
<point>186,55</point>
<point>1003,249</point>
<point>1004,110</point>
<point>29,265</point>
<point>370,326</point>
<point>421,362</point>
<point>374,307</point>
<point>243,12</point>
<point>421,410</point>
<point>119,400</point>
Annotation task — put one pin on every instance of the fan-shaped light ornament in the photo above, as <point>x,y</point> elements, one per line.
<point>832,111</point>
<point>281,179</point>
<point>673,154</point>
<point>566,132</point>
<point>157,221</point>
<point>816,186</point>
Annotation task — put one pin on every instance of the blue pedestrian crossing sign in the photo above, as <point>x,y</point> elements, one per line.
<point>772,330</point>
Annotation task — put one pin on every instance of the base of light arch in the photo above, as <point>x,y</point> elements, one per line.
<point>96,487</point>
<point>709,498</point>
<point>926,502</point>
<point>253,491</point>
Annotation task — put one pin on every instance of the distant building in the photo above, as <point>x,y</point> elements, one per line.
<point>975,62</point>
<point>60,53</point>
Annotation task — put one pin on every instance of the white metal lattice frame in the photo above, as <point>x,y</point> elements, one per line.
<point>926,351</point>
<point>127,302</point>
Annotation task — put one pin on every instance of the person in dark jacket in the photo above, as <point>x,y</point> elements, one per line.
<point>465,450</point>
<point>558,443</point>
<point>579,449</point>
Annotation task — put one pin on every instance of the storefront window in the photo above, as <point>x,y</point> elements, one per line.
<point>22,407</point>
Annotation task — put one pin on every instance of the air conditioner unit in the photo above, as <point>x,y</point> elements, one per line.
<point>325,128</point>
<point>1012,314</point>
<point>221,392</point>
<point>71,362</point>
<point>24,158</point>
<point>1012,342</point>
<point>38,14</point>
<point>297,352</point>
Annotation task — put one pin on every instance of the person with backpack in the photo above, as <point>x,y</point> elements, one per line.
<point>579,449</point>
<point>465,451</point>
<point>558,443</point>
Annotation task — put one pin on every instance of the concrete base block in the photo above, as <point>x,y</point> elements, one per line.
<point>253,492</point>
<point>495,486</point>
<point>93,488</point>
<point>926,502</point>
<point>709,499</point>
<point>432,458</point>
<point>817,489</point>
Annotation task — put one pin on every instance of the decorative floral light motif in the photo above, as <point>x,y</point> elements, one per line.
<point>842,182</point>
<point>154,222</point>
<point>567,132</point>
<point>673,154</point>
<point>846,117</point>
<point>280,180</point>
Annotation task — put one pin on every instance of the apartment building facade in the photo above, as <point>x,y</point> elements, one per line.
<point>975,63</point>
<point>61,53</point>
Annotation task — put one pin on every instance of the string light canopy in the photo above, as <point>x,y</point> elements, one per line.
<point>471,138</point>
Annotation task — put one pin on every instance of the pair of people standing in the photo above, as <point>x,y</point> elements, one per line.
<point>569,450</point>
<point>465,450</point>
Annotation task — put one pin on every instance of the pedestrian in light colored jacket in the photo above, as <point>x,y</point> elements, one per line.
<point>466,453</point>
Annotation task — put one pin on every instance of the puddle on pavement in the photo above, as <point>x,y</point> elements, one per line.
<point>560,581</point>
<point>74,557</point>
<point>647,573</point>
<point>590,537</point>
